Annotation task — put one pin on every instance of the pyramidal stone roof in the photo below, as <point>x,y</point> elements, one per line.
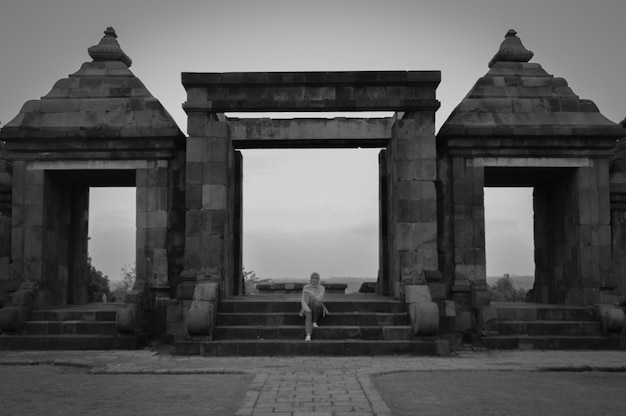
<point>517,98</point>
<point>104,99</point>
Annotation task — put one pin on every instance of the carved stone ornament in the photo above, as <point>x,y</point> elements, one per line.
<point>108,49</point>
<point>511,50</point>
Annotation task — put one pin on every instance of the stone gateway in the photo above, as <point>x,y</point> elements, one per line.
<point>518,126</point>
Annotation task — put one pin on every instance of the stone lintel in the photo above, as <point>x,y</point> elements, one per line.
<point>303,105</point>
<point>548,162</point>
<point>311,91</point>
<point>290,133</point>
<point>96,164</point>
<point>344,78</point>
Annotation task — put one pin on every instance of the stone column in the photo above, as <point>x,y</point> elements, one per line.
<point>469,287</point>
<point>385,271</point>
<point>237,233</point>
<point>469,222</point>
<point>153,191</point>
<point>412,171</point>
<point>209,201</point>
<point>591,243</point>
<point>27,225</point>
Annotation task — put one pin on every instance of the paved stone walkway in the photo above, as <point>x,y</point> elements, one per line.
<point>314,386</point>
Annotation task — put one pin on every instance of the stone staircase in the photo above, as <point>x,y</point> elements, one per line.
<point>548,327</point>
<point>71,327</point>
<point>271,325</point>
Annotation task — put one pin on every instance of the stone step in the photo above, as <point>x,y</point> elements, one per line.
<point>285,332</point>
<point>69,327</point>
<point>554,342</point>
<point>73,315</point>
<point>70,342</point>
<point>424,347</point>
<point>531,312</point>
<point>543,328</point>
<point>284,318</point>
<point>340,305</point>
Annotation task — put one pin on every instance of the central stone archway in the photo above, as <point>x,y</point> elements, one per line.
<point>408,166</point>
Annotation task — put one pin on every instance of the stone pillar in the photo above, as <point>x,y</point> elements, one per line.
<point>5,222</point>
<point>76,242</point>
<point>209,200</point>
<point>469,222</point>
<point>237,234</point>
<point>383,285</point>
<point>153,205</point>
<point>576,267</point>
<point>469,285</point>
<point>27,224</point>
<point>412,172</point>
<point>618,218</point>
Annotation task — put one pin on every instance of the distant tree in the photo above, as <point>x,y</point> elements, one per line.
<point>129,274</point>
<point>97,284</point>
<point>250,280</point>
<point>503,290</point>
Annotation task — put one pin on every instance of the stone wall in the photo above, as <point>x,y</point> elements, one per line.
<point>618,217</point>
<point>573,237</point>
<point>412,201</point>
<point>210,201</point>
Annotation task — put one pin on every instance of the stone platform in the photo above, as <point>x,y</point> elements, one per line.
<point>356,325</point>
<point>297,287</point>
<point>71,327</point>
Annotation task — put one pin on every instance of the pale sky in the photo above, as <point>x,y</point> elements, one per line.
<point>313,210</point>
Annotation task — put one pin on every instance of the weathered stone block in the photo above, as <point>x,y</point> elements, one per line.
<point>193,196</point>
<point>197,222</point>
<point>34,194</point>
<point>404,128</point>
<point>217,150</point>
<point>213,251</point>
<point>424,317</point>
<point>438,291</point>
<point>215,173</point>
<point>193,253</point>
<point>410,236</point>
<point>196,148</point>
<point>464,320</point>
<point>219,222</point>
<point>156,219</point>
<point>193,173</point>
<point>417,294</point>
<point>201,318</point>
<point>425,170</point>
<point>174,310</point>
<point>214,197</point>
<point>10,319</point>
<point>156,237</point>
<point>33,243</point>
<point>184,290</point>
<point>429,257</point>
<point>206,291</point>
<point>470,272</point>
<point>159,262</point>
<point>416,190</point>
<point>217,129</point>
<point>127,318</point>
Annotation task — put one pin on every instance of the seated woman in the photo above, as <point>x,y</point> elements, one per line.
<point>312,304</point>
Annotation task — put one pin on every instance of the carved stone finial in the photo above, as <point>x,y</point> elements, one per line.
<point>511,50</point>
<point>108,49</point>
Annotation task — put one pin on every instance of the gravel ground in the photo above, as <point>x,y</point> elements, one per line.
<point>517,393</point>
<point>56,390</point>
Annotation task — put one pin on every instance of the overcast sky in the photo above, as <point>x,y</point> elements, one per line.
<point>313,210</point>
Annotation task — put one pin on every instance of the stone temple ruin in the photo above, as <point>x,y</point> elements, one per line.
<point>518,126</point>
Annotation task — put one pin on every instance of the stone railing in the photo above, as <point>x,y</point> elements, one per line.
<point>269,288</point>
